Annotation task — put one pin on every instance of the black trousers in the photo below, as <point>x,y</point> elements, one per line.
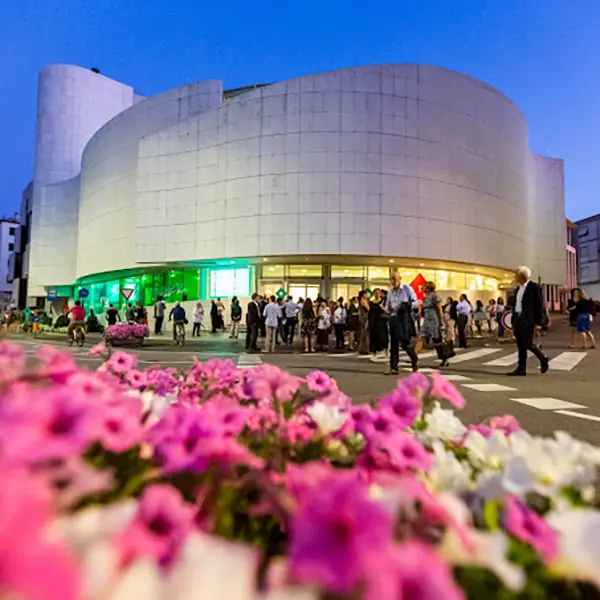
<point>289,329</point>
<point>251,336</point>
<point>523,332</point>
<point>461,324</point>
<point>158,323</point>
<point>339,335</point>
<point>196,329</point>
<point>398,340</point>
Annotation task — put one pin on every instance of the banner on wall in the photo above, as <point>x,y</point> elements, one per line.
<point>418,284</point>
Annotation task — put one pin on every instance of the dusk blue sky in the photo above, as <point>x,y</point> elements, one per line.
<point>543,54</point>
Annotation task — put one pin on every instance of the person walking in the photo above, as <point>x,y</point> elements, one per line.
<point>279,337</point>
<point>450,317</point>
<point>262,325</point>
<point>129,313</point>
<point>198,318</point>
<point>271,315</point>
<point>308,326</point>
<point>464,310</point>
<point>378,338</point>
<point>400,303</point>
<point>221,314</point>
<point>500,308</point>
<point>159,315</point>
<point>340,317</point>
<point>490,310</point>
<point>290,312</point>
<point>527,315</point>
<point>432,317</point>
<point>323,327</point>
<point>252,322</point>
<point>479,317</point>
<point>352,322</point>
<point>112,315</point>
<point>584,308</point>
<point>363,323</point>
<point>236,318</point>
<point>215,319</point>
<point>572,315</point>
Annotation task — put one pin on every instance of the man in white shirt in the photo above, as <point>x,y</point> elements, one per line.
<point>272,313</point>
<point>527,316</point>
<point>290,314</point>
<point>400,302</point>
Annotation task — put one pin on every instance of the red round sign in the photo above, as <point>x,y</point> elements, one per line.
<point>506,319</point>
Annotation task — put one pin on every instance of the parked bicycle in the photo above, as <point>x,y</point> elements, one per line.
<point>78,337</point>
<point>179,335</point>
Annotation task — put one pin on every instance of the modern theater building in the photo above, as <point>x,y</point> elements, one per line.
<point>321,183</point>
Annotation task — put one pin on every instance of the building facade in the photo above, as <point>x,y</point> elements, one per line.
<point>319,184</point>
<point>587,243</point>
<point>18,261</point>
<point>8,229</point>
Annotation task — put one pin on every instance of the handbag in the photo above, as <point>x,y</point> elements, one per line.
<point>445,350</point>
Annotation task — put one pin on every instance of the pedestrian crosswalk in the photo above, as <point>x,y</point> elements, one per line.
<point>491,360</point>
<point>248,361</point>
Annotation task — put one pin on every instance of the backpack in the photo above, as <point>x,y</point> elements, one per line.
<point>236,311</point>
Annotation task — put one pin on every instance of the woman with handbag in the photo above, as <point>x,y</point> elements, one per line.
<point>433,319</point>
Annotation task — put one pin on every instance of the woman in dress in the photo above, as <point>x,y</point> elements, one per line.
<point>450,318</point>
<point>363,322</point>
<point>377,325</point>
<point>308,327</point>
<point>584,308</point>
<point>479,317</point>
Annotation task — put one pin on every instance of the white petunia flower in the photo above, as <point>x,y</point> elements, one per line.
<point>492,452</point>
<point>447,473</point>
<point>441,425</point>
<point>579,543</point>
<point>328,418</point>
<point>140,580</point>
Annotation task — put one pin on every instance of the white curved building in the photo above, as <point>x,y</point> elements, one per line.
<point>320,183</point>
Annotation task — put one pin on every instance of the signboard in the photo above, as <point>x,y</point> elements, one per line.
<point>84,293</point>
<point>281,293</point>
<point>225,283</point>
<point>127,293</point>
<point>52,296</point>
<point>506,319</point>
<point>418,284</point>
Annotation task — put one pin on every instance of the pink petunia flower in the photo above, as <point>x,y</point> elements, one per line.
<point>267,383</point>
<point>119,424</point>
<point>506,423</point>
<point>339,536</point>
<point>482,428</point>
<point>121,362</point>
<point>529,527</point>
<point>397,452</point>
<point>136,379</point>
<point>98,349</point>
<point>159,529</point>
<point>12,362</point>
<point>444,390</point>
<point>320,382</point>
<point>56,365</point>
<point>404,404</point>
<point>416,383</point>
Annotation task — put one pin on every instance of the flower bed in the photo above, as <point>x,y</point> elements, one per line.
<point>123,333</point>
<point>215,483</point>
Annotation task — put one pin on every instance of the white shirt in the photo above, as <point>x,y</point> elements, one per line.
<point>324,319</point>
<point>340,315</point>
<point>198,314</point>
<point>271,314</point>
<point>404,293</point>
<point>519,299</point>
<point>464,308</point>
<point>290,309</point>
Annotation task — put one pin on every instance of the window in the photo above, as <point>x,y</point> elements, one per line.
<point>306,271</point>
<point>225,283</point>
<point>582,231</point>
<point>270,271</point>
<point>584,251</point>
<point>347,272</point>
<point>11,231</point>
<point>11,247</point>
<point>379,273</point>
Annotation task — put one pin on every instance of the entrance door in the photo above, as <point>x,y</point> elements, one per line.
<point>299,290</point>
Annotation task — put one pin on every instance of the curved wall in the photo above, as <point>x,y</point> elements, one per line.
<point>392,160</point>
<point>109,180</point>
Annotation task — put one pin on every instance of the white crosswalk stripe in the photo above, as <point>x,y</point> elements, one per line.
<point>547,403</point>
<point>503,361</point>
<point>248,361</point>
<point>474,354</point>
<point>566,361</point>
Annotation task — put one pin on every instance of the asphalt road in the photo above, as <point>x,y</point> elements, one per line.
<point>566,398</point>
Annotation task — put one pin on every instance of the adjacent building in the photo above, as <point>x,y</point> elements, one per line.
<point>587,242</point>
<point>18,262</point>
<point>8,228</point>
<point>318,184</point>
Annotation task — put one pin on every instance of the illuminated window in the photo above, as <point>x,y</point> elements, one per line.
<point>225,283</point>
<point>339,272</point>
<point>407,274</point>
<point>305,271</point>
<point>379,273</point>
<point>270,271</point>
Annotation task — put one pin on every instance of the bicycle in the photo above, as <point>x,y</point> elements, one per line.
<point>78,337</point>
<point>179,336</point>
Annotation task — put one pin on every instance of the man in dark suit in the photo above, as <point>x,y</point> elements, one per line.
<point>528,313</point>
<point>252,322</point>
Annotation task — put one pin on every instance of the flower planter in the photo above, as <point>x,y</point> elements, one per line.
<point>125,335</point>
